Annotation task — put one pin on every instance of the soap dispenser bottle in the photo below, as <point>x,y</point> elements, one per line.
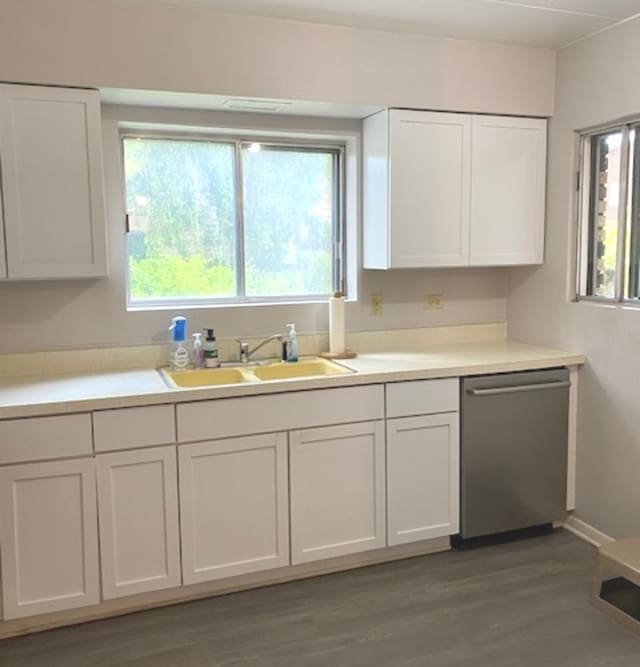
<point>292,344</point>
<point>179,355</point>
<point>197,351</point>
<point>210,350</point>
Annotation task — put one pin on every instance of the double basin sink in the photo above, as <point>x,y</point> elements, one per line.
<point>307,367</point>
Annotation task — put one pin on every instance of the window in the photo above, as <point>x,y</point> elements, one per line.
<point>609,249</point>
<point>231,221</point>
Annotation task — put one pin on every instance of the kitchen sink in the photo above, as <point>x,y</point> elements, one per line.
<point>301,369</point>
<point>252,372</point>
<point>205,377</point>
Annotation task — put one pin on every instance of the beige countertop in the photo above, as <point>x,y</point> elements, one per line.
<point>32,395</point>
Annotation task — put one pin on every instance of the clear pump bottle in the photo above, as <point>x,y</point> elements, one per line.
<point>197,352</point>
<point>179,355</point>
<point>292,344</point>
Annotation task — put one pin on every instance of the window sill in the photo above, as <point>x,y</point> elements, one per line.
<point>609,304</point>
<point>186,306</point>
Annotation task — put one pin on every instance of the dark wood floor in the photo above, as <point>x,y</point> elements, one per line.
<point>518,605</point>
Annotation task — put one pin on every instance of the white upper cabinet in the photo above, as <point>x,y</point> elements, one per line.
<point>52,183</point>
<point>417,177</point>
<point>508,194</point>
<point>452,189</point>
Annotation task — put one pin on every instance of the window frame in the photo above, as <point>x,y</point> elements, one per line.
<point>238,139</point>
<point>585,221</point>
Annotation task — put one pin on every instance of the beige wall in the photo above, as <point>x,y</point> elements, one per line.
<point>150,45</point>
<point>55,315</point>
<point>596,83</point>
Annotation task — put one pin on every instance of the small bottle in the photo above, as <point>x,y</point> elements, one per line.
<point>179,355</point>
<point>197,352</point>
<point>210,350</point>
<point>292,344</point>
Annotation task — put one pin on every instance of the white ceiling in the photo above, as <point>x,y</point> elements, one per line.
<point>545,23</point>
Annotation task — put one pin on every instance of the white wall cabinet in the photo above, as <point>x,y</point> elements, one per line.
<point>422,477</point>
<point>417,171</point>
<point>48,537</point>
<point>138,509</point>
<point>52,183</point>
<point>452,189</point>
<point>508,195</point>
<point>337,490</point>
<point>234,507</point>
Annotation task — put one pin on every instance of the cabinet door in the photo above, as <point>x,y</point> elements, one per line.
<point>508,195</point>
<point>48,537</point>
<point>138,508</point>
<point>233,507</point>
<point>430,162</point>
<point>51,157</point>
<point>422,477</point>
<point>337,491</point>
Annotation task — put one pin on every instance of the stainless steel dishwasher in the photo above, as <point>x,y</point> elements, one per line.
<point>514,451</point>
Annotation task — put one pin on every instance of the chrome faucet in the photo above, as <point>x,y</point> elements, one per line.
<point>245,353</point>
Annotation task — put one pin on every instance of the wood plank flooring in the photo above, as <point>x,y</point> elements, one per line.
<point>523,604</point>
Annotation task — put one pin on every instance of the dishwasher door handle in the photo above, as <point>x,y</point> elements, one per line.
<point>492,391</point>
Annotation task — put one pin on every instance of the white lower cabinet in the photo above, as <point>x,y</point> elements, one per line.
<point>234,507</point>
<point>138,509</point>
<point>337,490</point>
<point>48,537</point>
<point>422,477</point>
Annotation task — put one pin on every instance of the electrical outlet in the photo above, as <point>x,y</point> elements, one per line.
<point>376,304</point>
<point>433,302</point>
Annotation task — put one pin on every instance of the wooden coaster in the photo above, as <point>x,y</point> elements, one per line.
<point>347,354</point>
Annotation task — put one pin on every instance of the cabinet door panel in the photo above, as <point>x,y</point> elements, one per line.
<point>422,477</point>
<point>48,537</point>
<point>51,152</point>
<point>429,184</point>
<point>138,506</point>
<point>508,197</point>
<point>234,507</point>
<point>337,491</point>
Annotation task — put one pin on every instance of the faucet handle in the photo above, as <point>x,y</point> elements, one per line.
<point>244,350</point>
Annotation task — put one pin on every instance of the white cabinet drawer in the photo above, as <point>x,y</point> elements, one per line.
<point>224,418</point>
<point>130,428</point>
<point>41,438</point>
<point>422,397</point>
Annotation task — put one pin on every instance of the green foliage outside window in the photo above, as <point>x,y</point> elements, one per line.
<point>181,197</point>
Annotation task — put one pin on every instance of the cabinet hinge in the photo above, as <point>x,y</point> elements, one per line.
<point>577,181</point>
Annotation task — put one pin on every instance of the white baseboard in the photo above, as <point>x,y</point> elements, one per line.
<point>586,531</point>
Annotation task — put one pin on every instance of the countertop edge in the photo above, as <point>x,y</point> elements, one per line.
<point>171,396</point>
